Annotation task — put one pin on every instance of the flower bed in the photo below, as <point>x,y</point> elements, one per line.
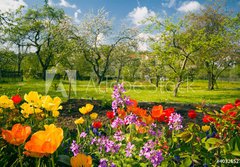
<point>128,136</point>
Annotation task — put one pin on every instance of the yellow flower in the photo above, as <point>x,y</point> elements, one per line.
<point>93,116</point>
<point>55,113</point>
<point>81,160</point>
<point>38,110</point>
<point>89,107</point>
<point>205,128</point>
<point>27,109</point>
<point>83,110</point>
<point>46,102</point>
<point>5,102</point>
<point>79,121</point>
<point>51,104</point>
<point>33,98</point>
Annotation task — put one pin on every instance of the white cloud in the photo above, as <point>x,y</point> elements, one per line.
<point>11,5</point>
<point>143,41</point>
<point>51,3</point>
<point>139,14</point>
<point>76,14</point>
<point>171,3</point>
<point>190,6</point>
<point>65,4</point>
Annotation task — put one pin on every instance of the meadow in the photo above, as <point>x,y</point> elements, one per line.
<point>189,92</point>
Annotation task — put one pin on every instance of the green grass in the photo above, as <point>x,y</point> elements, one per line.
<point>189,92</point>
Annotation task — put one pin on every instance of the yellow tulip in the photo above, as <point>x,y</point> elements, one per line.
<point>205,128</point>
<point>81,160</point>
<point>93,116</point>
<point>27,109</point>
<point>79,121</point>
<point>89,107</point>
<point>5,102</point>
<point>83,110</point>
<point>33,98</point>
<point>55,113</point>
<point>37,110</point>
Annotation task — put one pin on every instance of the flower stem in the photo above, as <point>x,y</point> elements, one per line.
<point>38,162</point>
<point>20,156</point>
<point>52,160</point>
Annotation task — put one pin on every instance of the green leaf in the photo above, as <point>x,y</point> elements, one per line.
<point>214,141</point>
<point>236,153</point>
<point>187,162</point>
<point>64,159</point>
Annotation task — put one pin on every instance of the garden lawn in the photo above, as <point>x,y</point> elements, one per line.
<point>189,92</point>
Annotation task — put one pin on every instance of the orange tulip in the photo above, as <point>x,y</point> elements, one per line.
<point>81,160</point>
<point>148,119</point>
<point>157,111</point>
<point>17,135</point>
<point>121,113</point>
<point>44,142</point>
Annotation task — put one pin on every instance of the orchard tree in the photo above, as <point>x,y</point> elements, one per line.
<point>97,41</point>
<point>221,40</point>
<point>122,57</point>
<point>15,36</point>
<point>44,26</point>
<point>153,67</point>
<point>176,46</point>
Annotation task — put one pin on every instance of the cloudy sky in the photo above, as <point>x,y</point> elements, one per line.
<point>131,10</point>
<point>127,11</point>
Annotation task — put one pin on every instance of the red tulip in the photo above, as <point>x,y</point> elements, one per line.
<point>237,102</point>
<point>227,107</point>
<point>16,99</point>
<point>97,124</point>
<point>110,114</point>
<point>192,114</point>
<point>207,119</point>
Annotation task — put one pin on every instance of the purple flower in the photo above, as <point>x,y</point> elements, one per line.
<point>154,131</point>
<point>156,158</point>
<point>117,122</point>
<point>149,152</point>
<point>74,148</point>
<point>130,119</point>
<point>112,165</point>
<point>128,149</point>
<point>103,163</point>
<point>175,121</point>
<point>147,149</point>
<point>108,145</point>
<point>119,99</point>
<point>83,135</point>
<point>93,140</point>
<point>118,136</point>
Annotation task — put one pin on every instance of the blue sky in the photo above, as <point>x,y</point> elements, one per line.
<point>130,10</point>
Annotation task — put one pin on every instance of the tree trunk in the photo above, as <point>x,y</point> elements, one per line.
<point>19,67</point>
<point>99,79</point>
<point>44,73</point>
<point>177,87</point>
<point>211,81</point>
<point>157,80</point>
<point>119,73</point>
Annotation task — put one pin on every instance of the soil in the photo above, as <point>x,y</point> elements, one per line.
<point>70,110</point>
